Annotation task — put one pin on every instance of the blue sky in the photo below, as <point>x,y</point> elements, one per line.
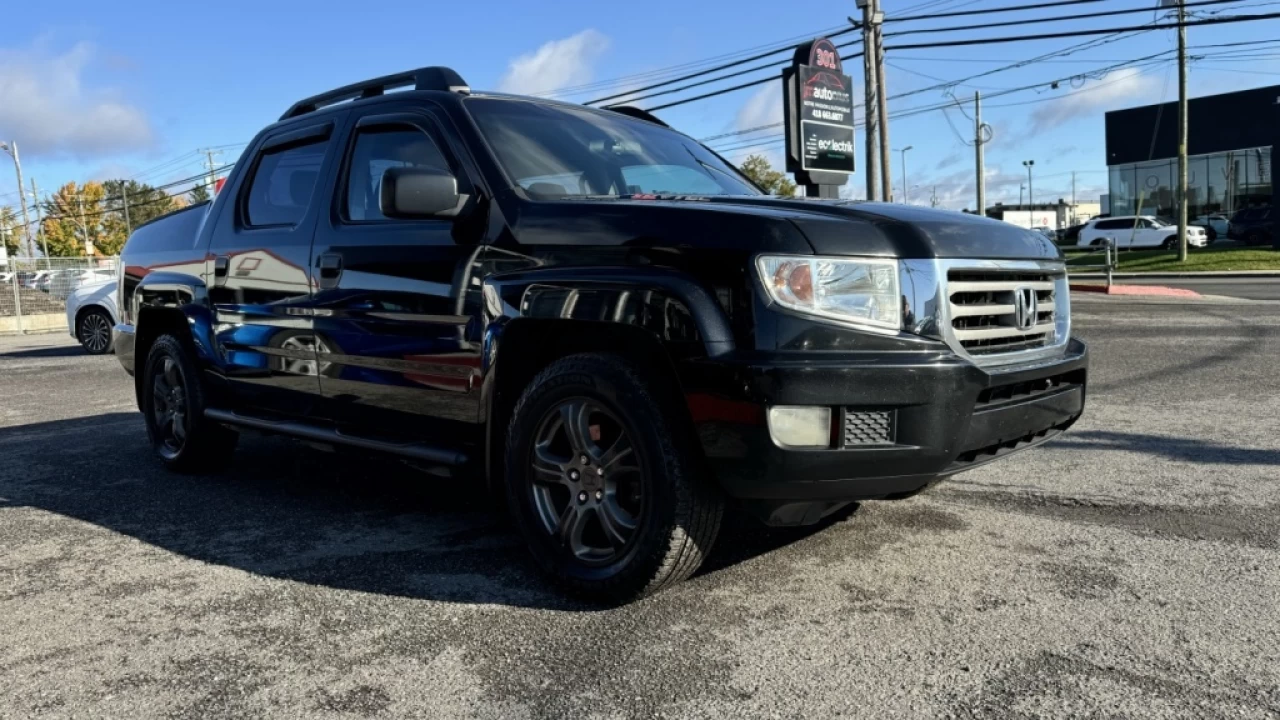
<point>101,90</point>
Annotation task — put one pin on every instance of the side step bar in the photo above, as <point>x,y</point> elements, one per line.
<point>416,451</point>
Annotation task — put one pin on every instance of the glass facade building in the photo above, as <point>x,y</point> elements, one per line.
<point>1230,140</point>
<point>1221,182</point>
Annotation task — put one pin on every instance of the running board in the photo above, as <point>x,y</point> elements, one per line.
<point>416,451</point>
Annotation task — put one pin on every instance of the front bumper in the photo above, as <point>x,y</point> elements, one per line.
<point>123,339</point>
<point>948,415</point>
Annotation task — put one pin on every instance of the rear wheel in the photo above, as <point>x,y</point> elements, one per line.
<point>1170,242</point>
<point>1253,237</point>
<point>604,483</point>
<point>93,330</point>
<point>173,404</point>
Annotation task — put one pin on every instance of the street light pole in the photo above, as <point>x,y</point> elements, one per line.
<point>904,173</point>
<point>1031,194</point>
<point>12,149</point>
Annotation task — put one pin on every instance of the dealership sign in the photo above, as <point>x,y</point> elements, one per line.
<point>819,115</point>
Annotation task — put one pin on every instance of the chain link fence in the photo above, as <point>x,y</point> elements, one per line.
<point>34,291</point>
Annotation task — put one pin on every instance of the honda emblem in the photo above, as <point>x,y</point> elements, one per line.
<point>1025,310</point>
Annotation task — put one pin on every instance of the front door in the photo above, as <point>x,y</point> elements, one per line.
<point>397,338</point>
<point>260,287</point>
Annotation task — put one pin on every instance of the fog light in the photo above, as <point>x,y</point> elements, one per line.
<point>798,426</point>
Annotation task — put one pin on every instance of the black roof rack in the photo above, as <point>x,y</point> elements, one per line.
<point>427,78</point>
<point>635,112</point>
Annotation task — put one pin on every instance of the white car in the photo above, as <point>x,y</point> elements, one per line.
<point>91,315</point>
<point>1138,231</point>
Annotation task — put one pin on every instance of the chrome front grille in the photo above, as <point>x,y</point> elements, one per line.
<point>999,312</point>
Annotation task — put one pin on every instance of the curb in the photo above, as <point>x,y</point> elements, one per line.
<point>1182,275</point>
<point>1136,290</point>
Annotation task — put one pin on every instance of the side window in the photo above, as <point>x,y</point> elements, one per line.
<point>282,185</point>
<point>376,150</point>
<point>1109,224</point>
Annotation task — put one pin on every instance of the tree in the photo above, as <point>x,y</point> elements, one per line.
<point>757,168</point>
<point>199,193</point>
<point>9,231</point>
<point>145,204</point>
<point>72,215</point>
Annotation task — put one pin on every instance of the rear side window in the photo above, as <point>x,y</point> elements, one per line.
<point>376,151</point>
<point>283,184</point>
<point>1113,224</point>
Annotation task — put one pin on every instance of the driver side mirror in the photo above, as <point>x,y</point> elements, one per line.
<point>419,192</point>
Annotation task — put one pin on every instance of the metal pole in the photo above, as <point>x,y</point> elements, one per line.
<point>17,296</point>
<point>40,234</point>
<point>1182,132</point>
<point>1021,187</point>
<point>883,108</point>
<point>905,193</point>
<point>870,117</point>
<point>980,155</point>
<point>12,149</point>
<point>124,195</point>
<point>83,224</point>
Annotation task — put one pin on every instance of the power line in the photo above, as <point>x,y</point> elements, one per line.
<point>708,71</point>
<point>987,41</point>
<point>989,11</point>
<point>1056,18</point>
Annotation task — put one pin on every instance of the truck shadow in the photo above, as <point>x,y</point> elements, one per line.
<point>47,352</point>
<point>1171,448</point>
<point>287,511</point>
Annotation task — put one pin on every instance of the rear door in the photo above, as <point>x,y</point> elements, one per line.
<point>396,329</point>
<point>258,258</point>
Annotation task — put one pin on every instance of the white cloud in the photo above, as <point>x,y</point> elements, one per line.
<point>1124,87</point>
<point>46,109</point>
<point>557,64</point>
<point>764,107</point>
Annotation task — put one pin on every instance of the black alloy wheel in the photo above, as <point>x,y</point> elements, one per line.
<point>94,332</point>
<point>169,408</point>
<point>587,481</point>
<point>605,479</point>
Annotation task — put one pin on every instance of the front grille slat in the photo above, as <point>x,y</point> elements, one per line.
<point>983,304</point>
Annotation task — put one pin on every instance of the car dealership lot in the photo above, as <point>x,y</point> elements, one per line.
<point>1131,568</point>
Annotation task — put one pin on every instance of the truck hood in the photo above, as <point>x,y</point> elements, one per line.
<point>770,224</point>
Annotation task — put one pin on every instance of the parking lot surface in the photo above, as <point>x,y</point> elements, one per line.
<point>1128,569</point>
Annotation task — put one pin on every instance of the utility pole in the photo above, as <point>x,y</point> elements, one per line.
<point>1031,193</point>
<point>904,174</point>
<point>882,106</point>
<point>933,199</point>
<point>44,239</point>
<point>124,195</point>
<point>870,116</point>
<point>1021,187</point>
<point>12,149</point>
<point>83,224</point>
<point>980,154</point>
<point>1073,197</point>
<point>1182,132</point>
<point>213,177</point>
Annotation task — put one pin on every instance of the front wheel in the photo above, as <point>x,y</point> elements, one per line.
<point>173,404</point>
<point>93,330</point>
<point>1170,242</point>
<point>604,481</point>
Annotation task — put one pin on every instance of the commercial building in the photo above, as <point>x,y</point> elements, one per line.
<point>1229,142</point>
<point>1056,215</point>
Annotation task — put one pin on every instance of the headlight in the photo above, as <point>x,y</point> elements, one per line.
<point>862,291</point>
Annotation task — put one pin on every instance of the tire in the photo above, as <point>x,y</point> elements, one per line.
<point>173,404</point>
<point>657,485</point>
<point>1170,242</point>
<point>93,330</point>
<point>1253,237</point>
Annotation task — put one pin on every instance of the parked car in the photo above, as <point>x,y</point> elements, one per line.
<point>1141,231</point>
<point>6,278</point>
<point>1046,231</point>
<point>60,283</point>
<point>1215,225</point>
<point>32,279</point>
<point>591,316</point>
<point>1251,225</point>
<point>1071,236</point>
<point>91,314</point>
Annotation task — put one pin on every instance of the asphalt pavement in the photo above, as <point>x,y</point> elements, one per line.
<point>1128,569</point>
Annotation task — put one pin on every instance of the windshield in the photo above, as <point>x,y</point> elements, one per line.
<point>554,151</point>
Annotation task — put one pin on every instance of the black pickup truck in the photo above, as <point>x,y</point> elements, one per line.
<point>592,315</point>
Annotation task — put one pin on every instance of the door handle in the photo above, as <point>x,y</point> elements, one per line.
<point>330,270</point>
<point>221,264</point>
